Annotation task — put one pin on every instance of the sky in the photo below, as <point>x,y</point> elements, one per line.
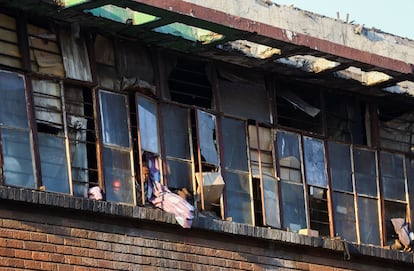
<point>393,17</point>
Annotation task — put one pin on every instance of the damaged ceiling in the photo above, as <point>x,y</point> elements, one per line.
<point>214,34</point>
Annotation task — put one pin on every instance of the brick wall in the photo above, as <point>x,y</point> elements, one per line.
<point>36,237</point>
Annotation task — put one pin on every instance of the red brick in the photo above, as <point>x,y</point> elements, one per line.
<point>64,267</point>
<point>11,262</point>
<point>40,256</point>
<point>57,258</point>
<point>55,239</point>
<point>23,235</point>
<point>317,267</point>
<point>105,264</point>
<point>7,252</point>
<point>23,254</point>
<point>48,266</point>
<point>73,260</point>
<point>30,264</point>
<point>6,233</point>
<point>64,250</point>
<point>11,243</point>
<point>35,236</point>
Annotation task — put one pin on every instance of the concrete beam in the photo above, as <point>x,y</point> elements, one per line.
<point>301,28</point>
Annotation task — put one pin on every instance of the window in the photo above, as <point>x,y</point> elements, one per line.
<point>239,199</point>
<point>316,179</point>
<point>117,149</point>
<point>16,149</point>
<point>266,200</point>
<point>289,156</point>
<point>393,179</point>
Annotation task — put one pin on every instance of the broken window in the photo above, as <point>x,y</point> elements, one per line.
<point>117,150</point>
<point>239,200</point>
<point>265,190</point>
<point>10,53</point>
<point>394,190</point>
<point>299,108</point>
<point>396,127</point>
<point>291,182</point>
<point>177,134</point>
<point>82,141</point>
<point>343,189</point>
<point>210,183</point>
<point>244,99</point>
<point>365,172</point>
<point>345,119</point>
<point>52,134</point>
<point>316,179</point>
<point>16,148</point>
<point>188,83</point>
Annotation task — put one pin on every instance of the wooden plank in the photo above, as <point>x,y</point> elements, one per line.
<point>44,44</point>
<point>7,21</point>
<point>10,61</point>
<point>9,49</point>
<point>8,35</point>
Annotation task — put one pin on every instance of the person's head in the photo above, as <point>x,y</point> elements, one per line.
<point>145,172</point>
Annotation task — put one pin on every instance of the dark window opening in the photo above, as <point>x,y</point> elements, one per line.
<point>188,84</point>
<point>299,108</point>
<point>345,119</point>
<point>257,202</point>
<point>318,209</point>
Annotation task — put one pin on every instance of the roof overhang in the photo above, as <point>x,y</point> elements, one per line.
<point>243,39</point>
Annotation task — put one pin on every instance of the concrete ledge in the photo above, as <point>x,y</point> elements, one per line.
<point>49,199</point>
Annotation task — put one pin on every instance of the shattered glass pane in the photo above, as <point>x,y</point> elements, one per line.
<point>393,210</point>
<point>148,124</point>
<point>118,176</point>
<point>122,15</point>
<point>17,158</point>
<point>189,32</point>
<point>54,165</point>
<point>207,136</point>
<point>114,118</point>
<point>314,153</point>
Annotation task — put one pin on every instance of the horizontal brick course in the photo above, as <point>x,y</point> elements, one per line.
<point>36,238</point>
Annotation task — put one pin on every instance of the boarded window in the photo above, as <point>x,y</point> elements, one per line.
<point>45,55</point>
<point>10,53</point>
<point>75,56</point>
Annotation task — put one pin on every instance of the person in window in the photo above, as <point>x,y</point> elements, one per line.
<point>148,187</point>
<point>160,196</point>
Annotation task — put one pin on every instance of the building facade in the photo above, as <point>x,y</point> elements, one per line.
<point>291,132</point>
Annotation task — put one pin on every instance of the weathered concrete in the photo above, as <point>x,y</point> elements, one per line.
<point>294,20</point>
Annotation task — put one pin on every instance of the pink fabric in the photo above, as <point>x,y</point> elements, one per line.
<point>173,203</point>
